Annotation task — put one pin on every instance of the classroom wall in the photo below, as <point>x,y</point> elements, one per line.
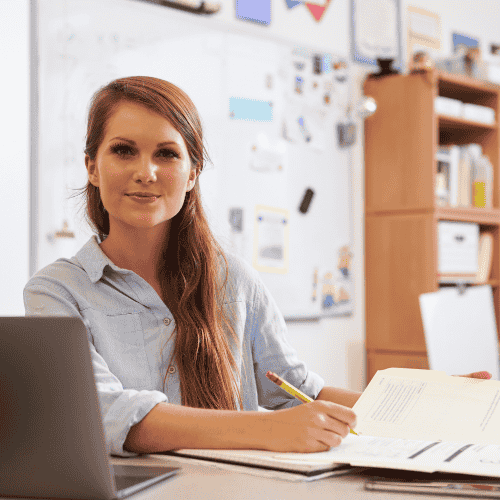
<point>333,348</point>
<point>14,154</point>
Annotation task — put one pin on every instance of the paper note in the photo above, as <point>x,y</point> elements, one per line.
<point>430,405</point>
<point>424,32</point>
<point>271,239</point>
<point>376,29</point>
<point>258,11</point>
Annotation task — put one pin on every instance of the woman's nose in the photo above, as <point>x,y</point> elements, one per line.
<point>146,170</point>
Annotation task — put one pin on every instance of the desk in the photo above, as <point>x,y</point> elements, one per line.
<point>202,482</point>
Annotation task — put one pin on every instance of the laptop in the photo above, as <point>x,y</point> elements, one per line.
<point>51,434</point>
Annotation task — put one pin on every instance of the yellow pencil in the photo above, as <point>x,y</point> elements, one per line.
<point>291,390</point>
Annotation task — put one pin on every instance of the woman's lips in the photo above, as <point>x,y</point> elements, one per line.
<point>143,199</point>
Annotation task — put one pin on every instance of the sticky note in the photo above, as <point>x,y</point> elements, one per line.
<point>258,11</point>
<point>250,109</point>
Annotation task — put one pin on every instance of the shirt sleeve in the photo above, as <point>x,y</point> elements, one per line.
<point>120,408</point>
<point>272,351</point>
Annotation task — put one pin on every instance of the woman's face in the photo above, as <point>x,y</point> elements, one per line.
<point>141,154</point>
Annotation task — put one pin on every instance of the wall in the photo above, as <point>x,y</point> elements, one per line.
<point>14,157</point>
<point>334,348</point>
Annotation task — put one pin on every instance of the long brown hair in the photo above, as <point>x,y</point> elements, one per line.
<point>194,269</point>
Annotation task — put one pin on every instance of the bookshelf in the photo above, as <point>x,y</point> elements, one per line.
<point>401,212</point>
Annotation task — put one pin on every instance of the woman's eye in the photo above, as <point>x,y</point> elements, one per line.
<point>126,150</point>
<point>122,150</point>
<point>170,153</point>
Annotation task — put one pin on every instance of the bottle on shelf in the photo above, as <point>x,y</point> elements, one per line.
<point>488,169</point>
<point>481,178</point>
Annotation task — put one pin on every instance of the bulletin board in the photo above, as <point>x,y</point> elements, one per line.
<point>277,191</point>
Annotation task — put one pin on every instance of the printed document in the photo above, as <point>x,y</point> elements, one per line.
<point>419,420</point>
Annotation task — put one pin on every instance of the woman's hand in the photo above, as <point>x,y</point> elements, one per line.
<point>481,375</point>
<point>310,427</point>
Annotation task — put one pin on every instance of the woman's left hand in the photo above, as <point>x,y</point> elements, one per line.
<point>481,375</point>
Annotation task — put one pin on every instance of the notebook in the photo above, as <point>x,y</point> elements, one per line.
<point>51,434</point>
<point>290,466</point>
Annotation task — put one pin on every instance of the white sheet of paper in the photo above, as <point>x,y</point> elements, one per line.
<point>377,28</point>
<point>429,405</point>
<point>461,331</point>
<point>271,239</point>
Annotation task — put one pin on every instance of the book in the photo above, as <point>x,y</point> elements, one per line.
<point>448,159</point>
<point>408,419</point>
<point>485,258</point>
<point>464,198</point>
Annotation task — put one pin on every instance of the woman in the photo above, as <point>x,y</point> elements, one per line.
<point>181,335</point>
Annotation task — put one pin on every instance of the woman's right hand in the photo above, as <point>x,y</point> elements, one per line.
<point>310,427</point>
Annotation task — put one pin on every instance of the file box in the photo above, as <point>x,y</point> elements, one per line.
<point>458,244</point>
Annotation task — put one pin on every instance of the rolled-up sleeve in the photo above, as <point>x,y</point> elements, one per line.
<point>272,351</point>
<point>120,408</point>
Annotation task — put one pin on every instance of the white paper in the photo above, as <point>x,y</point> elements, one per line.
<point>271,239</point>
<point>268,154</point>
<point>376,28</point>
<point>460,330</point>
<point>410,400</point>
<point>424,26</point>
<point>419,455</point>
<point>429,405</point>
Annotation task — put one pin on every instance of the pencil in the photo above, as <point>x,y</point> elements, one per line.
<point>291,390</point>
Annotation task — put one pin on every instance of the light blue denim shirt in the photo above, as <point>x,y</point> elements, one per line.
<point>130,331</point>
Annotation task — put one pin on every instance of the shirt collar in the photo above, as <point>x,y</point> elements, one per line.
<point>94,260</point>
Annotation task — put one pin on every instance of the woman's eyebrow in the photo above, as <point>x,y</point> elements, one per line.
<point>130,141</point>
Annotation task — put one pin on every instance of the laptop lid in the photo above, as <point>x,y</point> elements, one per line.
<point>49,447</point>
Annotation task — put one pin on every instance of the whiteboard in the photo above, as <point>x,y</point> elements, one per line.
<point>270,130</point>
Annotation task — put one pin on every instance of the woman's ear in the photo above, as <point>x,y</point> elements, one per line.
<point>91,171</point>
<point>193,175</point>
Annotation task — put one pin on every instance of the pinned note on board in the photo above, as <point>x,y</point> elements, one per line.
<point>271,239</point>
<point>250,109</point>
<point>258,11</point>
<point>267,154</point>
<point>336,297</point>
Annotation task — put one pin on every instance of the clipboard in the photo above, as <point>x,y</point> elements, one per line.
<point>460,330</point>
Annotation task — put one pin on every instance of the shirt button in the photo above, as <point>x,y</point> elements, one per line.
<point>167,321</point>
<point>171,369</point>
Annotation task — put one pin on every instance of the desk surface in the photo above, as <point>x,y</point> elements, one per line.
<point>202,482</point>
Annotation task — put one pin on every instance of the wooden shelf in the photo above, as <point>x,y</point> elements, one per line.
<point>492,283</point>
<point>459,131</point>
<point>450,85</point>
<point>454,123</point>
<point>472,214</point>
<point>401,215</point>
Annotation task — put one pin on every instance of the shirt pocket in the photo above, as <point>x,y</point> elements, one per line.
<point>119,339</point>
<point>123,328</point>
